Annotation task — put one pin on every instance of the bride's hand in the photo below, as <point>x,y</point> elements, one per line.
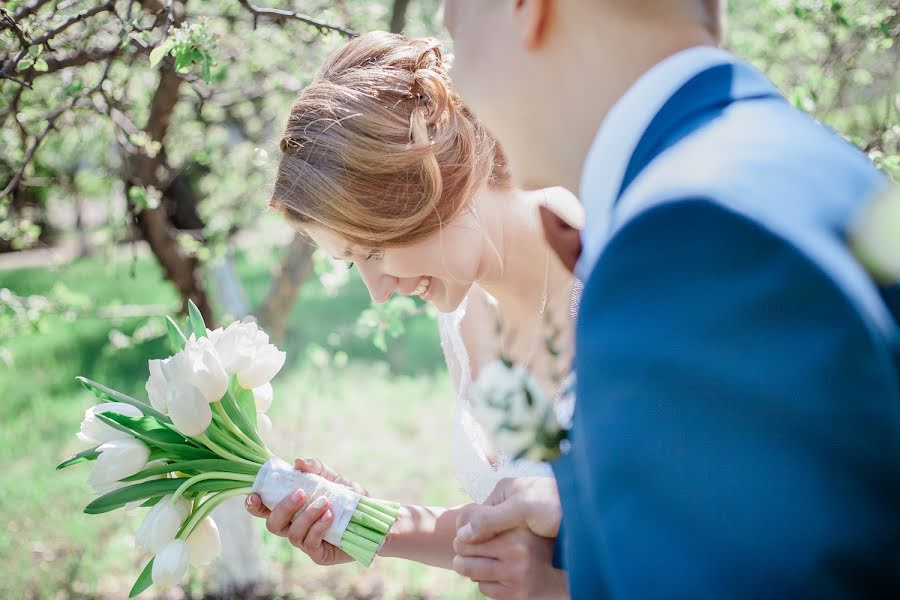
<point>305,530</point>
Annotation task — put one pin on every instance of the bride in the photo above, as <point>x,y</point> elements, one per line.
<point>385,168</point>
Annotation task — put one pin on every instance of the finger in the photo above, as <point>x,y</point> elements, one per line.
<point>493,590</point>
<point>313,539</point>
<point>317,467</point>
<point>304,521</point>
<point>493,548</point>
<point>465,514</point>
<point>255,507</point>
<point>280,518</point>
<point>490,521</point>
<point>477,568</point>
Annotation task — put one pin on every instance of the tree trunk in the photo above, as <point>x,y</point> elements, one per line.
<point>276,307</point>
<point>179,266</point>
<point>398,16</point>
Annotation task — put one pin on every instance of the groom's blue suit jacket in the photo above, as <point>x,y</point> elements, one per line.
<point>737,426</point>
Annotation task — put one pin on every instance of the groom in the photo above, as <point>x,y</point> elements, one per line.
<point>737,429</point>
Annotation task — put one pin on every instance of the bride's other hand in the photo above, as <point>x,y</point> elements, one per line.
<point>306,528</point>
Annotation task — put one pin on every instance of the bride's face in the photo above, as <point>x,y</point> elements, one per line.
<point>440,269</point>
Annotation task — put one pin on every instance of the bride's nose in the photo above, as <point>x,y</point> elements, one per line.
<point>380,285</point>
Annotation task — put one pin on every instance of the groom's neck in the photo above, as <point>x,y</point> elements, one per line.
<point>592,73</point>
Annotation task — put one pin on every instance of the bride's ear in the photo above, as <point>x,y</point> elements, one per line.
<point>563,238</point>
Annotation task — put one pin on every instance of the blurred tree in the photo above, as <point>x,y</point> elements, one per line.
<point>162,101</point>
<point>837,59</point>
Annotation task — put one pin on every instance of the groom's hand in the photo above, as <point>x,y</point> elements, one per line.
<point>528,502</point>
<point>515,564</point>
<point>506,544</point>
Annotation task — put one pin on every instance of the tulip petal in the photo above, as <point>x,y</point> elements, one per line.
<point>189,410</point>
<point>265,366</point>
<point>171,563</point>
<point>204,542</point>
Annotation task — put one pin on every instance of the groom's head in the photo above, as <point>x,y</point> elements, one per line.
<point>543,73</point>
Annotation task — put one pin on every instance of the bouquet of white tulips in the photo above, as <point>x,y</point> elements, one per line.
<point>199,440</point>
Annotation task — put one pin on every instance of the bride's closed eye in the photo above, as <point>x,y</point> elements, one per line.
<point>370,256</point>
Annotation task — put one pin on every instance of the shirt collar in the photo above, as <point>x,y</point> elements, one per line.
<point>619,133</point>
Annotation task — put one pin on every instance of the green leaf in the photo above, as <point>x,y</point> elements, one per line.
<point>84,456</point>
<point>41,65</point>
<point>152,502</point>
<point>246,401</point>
<point>157,54</point>
<point>154,434</point>
<point>237,415</point>
<point>35,51</point>
<point>25,63</point>
<point>111,395</point>
<point>196,320</point>
<point>139,491</point>
<point>175,335</point>
<point>143,581</point>
<point>196,466</point>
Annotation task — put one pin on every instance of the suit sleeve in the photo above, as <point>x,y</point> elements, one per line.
<point>737,431</point>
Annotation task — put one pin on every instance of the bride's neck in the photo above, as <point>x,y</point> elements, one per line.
<point>515,256</point>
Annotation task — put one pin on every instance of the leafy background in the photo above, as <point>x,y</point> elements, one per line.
<point>81,292</point>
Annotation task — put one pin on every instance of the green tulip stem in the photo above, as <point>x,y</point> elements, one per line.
<point>204,509</point>
<point>217,407</point>
<point>203,439</point>
<point>212,475</point>
<point>232,445</point>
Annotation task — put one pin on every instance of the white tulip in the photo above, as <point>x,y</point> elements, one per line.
<point>95,432</point>
<point>263,396</point>
<point>161,524</point>
<point>157,385</point>
<point>171,563</point>
<point>204,542</point>
<point>236,344</point>
<point>245,350</point>
<point>264,427</point>
<point>118,459</point>
<point>189,410</point>
<point>131,507</point>
<point>266,364</point>
<point>200,364</point>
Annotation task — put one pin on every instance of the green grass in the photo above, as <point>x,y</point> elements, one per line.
<point>381,420</point>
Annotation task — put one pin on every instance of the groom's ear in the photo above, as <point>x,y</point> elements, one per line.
<point>534,17</point>
<point>563,238</point>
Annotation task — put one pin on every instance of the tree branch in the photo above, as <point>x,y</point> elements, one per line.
<point>281,15</point>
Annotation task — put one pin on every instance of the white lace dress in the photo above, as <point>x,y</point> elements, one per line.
<point>476,473</point>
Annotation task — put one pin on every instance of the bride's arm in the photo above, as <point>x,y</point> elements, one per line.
<point>423,534</point>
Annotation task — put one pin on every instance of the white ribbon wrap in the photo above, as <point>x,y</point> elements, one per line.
<point>277,479</point>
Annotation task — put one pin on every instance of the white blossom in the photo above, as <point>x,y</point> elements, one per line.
<point>245,351</point>
<point>161,524</point>
<point>510,407</point>
<point>118,459</point>
<point>204,542</point>
<point>263,396</point>
<point>171,563</point>
<point>95,432</point>
<point>189,409</point>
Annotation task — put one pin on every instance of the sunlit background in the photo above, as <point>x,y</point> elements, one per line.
<point>366,390</point>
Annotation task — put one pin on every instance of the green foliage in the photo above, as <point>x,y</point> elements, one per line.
<point>189,44</point>
<point>837,60</point>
